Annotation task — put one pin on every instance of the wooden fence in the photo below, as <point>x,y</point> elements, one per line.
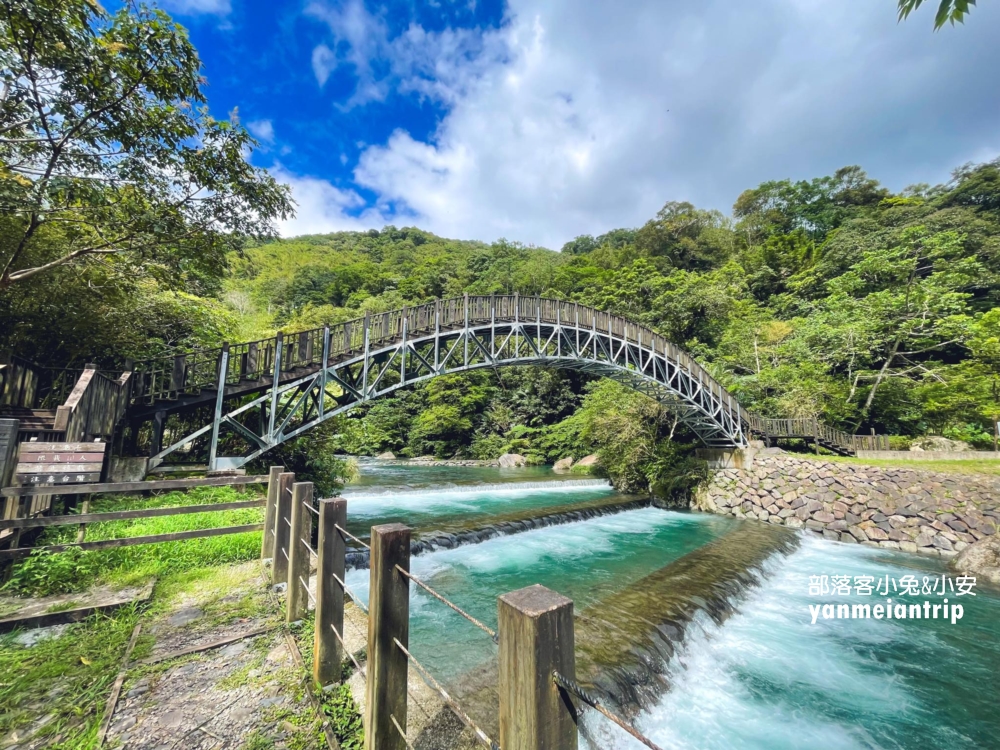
<point>539,697</point>
<point>18,520</point>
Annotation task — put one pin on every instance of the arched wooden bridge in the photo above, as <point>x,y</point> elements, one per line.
<point>269,391</point>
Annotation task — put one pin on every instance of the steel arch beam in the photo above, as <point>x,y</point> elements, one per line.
<point>291,408</point>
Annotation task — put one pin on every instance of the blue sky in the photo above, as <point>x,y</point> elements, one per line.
<point>539,121</point>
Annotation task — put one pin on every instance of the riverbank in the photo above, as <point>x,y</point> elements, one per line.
<point>903,508</point>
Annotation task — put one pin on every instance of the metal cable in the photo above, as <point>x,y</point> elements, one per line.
<point>354,597</point>
<point>575,689</point>
<point>485,628</point>
<point>308,506</point>
<point>349,535</point>
<point>311,550</point>
<point>285,519</point>
<point>433,684</point>
<point>284,553</point>
<point>349,654</point>
<point>308,592</point>
<point>401,732</point>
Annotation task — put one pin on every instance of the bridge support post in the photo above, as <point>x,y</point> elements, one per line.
<point>321,403</point>
<point>220,396</point>
<point>332,549</point>
<point>282,528</point>
<point>270,512</point>
<point>298,553</point>
<point>279,342</point>
<point>536,639</point>
<point>388,621</point>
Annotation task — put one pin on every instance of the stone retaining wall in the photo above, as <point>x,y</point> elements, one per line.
<point>913,510</point>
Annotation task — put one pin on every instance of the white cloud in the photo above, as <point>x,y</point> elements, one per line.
<point>576,118</point>
<point>321,207</point>
<point>262,130</point>
<point>324,62</point>
<point>437,65</point>
<point>198,7</point>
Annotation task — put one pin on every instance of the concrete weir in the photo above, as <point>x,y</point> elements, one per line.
<point>449,536</point>
<point>625,643</point>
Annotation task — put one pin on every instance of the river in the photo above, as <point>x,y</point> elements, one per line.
<point>697,626</point>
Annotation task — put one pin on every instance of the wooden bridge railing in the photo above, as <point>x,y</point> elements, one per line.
<point>813,429</point>
<point>167,377</point>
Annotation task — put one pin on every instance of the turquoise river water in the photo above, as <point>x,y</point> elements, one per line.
<point>766,677</point>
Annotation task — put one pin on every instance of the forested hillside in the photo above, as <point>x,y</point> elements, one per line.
<point>832,298</point>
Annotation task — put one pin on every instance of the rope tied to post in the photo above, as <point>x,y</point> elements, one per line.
<point>311,550</point>
<point>579,692</point>
<point>354,597</point>
<point>449,701</point>
<point>350,656</point>
<point>349,535</point>
<point>485,628</point>
<point>309,594</point>
<point>400,730</point>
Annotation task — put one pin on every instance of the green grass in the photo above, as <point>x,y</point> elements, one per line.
<point>337,702</point>
<point>962,466</point>
<point>46,573</point>
<point>67,677</point>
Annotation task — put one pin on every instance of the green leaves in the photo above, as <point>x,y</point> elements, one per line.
<point>949,11</point>
<point>106,144</point>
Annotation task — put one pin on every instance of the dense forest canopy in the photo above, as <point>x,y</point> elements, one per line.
<point>832,297</point>
<point>134,226</point>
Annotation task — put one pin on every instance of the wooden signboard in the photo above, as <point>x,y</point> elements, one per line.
<point>60,463</point>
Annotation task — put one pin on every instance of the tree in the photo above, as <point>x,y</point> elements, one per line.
<point>680,233</point>
<point>107,149</point>
<point>914,298</point>
<point>949,11</point>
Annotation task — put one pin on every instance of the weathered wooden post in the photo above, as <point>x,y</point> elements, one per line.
<point>282,530</point>
<point>298,555</point>
<point>388,621</point>
<point>270,512</point>
<point>331,548</point>
<point>536,639</point>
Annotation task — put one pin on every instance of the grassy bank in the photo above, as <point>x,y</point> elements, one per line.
<point>970,466</point>
<point>75,570</point>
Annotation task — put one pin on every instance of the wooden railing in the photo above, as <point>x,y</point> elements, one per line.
<point>94,407</point>
<point>534,636</point>
<point>18,383</point>
<point>813,429</point>
<point>168,377</point>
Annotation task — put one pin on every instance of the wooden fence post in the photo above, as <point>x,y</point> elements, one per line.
<point>298,555</point>
<point>282,530</point>
<point>332,549</point>
<point>270,513</point>
<point>536,638</point>
<point>388,621</point>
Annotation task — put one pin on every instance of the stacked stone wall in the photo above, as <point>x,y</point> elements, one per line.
<point>913,510</point>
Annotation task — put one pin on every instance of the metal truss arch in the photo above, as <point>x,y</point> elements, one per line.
<point>398,349</point>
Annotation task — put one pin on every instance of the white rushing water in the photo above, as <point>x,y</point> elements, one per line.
<point>769,679</point>
<point>435,499</point>
<point>584,560</point>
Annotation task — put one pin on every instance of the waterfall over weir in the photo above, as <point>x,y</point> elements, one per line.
<point>694,626</point>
